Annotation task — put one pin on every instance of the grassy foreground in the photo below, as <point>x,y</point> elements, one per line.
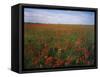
<point>53,45</point>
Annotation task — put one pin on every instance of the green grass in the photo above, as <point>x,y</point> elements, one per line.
<point>59,42</point>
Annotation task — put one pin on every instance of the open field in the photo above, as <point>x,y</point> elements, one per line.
<point>53,45</point>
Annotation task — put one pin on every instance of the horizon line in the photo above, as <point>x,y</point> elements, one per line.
<point>58,23</point>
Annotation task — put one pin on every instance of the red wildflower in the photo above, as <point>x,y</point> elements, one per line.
<point>87,62</point>
<point>35,61</point>
<point>86,52</point>
<point>81,59</point>
<point>49,60</point>
<point>68,60</point>
<point>58,63</point>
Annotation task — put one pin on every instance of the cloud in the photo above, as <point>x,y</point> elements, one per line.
<point>58,16</point>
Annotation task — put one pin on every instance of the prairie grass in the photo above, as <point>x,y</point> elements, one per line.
<point>54,45</point>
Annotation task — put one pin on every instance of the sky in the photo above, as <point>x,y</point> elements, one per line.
<point>52,16</point>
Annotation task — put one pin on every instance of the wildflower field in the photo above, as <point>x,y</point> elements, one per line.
<point>58,45</point>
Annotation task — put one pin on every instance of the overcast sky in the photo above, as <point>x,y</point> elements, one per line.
<point>58,16</point>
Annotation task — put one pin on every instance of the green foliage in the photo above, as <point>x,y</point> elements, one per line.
<point>58,37</point>
<point>52,52</point>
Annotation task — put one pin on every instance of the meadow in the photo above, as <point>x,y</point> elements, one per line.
<point>58,45</point>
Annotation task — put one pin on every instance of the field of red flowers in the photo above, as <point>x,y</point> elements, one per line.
<point>53,45</point>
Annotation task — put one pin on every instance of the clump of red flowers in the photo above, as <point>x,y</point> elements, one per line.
<point>49,60</point>
<point>35,61</point>
<point>58,63</point>
<point>68,60</point>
